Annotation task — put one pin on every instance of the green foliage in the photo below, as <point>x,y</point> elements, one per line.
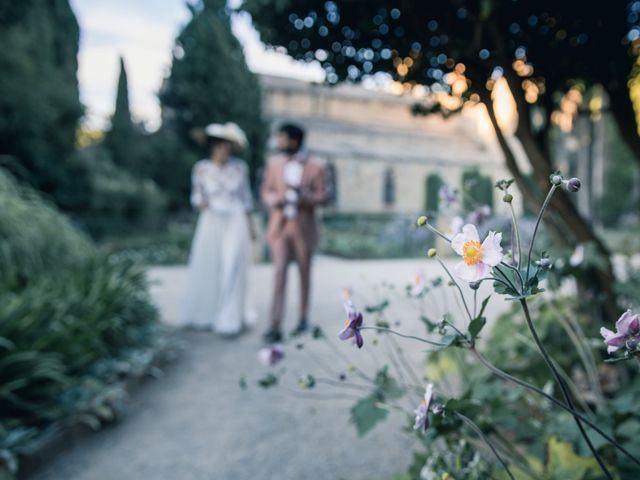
<point>169,247</point>
<point>39,96</point>
<point>373,236</point>
<point>163,158</point>
<point>34,238</point>
<point>210,82</point>
<point>119,200</point>
<point>72,321</point>
<point>432,189</point>
<point>477,190</point>
<point>371,410</point>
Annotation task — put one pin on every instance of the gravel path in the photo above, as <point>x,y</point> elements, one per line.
<point>196,423</point>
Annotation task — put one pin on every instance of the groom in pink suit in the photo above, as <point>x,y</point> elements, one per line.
<point>293,186</point>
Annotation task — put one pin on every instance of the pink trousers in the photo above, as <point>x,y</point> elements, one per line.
<point>290,245</point>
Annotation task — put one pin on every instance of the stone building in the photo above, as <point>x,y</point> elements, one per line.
<point>378,153</point>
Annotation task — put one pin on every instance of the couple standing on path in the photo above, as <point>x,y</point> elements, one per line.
<point>293,186</point>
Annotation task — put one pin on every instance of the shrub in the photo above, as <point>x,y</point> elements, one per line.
<point>71,320</point>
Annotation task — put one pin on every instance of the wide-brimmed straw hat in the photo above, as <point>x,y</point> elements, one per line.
<point>229,131</point>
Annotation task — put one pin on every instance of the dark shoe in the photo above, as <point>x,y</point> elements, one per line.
<point>273,335</point>
<point>303,326</point>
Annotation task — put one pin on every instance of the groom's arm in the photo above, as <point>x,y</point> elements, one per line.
<point>317,194</point>
<point>269,191</point>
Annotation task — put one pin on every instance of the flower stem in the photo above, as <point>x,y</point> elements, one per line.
<point>561,384</point>
<point>438,232</point>
<point>516,229</point>
<point>535,229</point>
<point>464,302</point>
<point>504,375</point>
<point>454,327</point>
<point>423,340</point>
<point>511,267</point>
<point>480,433</point>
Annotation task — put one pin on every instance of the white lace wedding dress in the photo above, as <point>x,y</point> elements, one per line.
<point>220,252</point>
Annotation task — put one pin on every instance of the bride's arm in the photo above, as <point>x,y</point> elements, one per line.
<point>198,193</point>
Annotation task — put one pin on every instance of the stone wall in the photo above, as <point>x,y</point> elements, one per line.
<point>365,133</point>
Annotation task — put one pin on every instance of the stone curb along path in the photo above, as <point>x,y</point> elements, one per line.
<point>70,432</point>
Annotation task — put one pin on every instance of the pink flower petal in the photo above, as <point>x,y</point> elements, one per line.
<point>458,242</point>
<point>624,322</point>
<point>428,394</point>
<point>491,249</point>
<point>470,232</point>
<point>346,333</point>
<point>606,333</point>
<point>470,273</point>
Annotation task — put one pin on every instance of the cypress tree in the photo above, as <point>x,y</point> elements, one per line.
<point>210,81</point>
<point>118,139</point>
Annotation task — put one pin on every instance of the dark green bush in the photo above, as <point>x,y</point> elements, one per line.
<point>71,320</point>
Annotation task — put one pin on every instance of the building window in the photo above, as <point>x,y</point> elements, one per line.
<point>433,183</point>
<point>388,188</point>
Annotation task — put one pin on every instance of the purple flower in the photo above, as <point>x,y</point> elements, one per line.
<point>627,330</point>
<point>352,325</point>
<point>271,355</point>
<point>447,196</point>
<point>422,420</point>
<point>479,215</point>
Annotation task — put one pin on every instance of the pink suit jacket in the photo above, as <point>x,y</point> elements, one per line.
<point>313,193</point>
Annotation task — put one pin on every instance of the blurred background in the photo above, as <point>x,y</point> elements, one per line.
<point>413,109</point>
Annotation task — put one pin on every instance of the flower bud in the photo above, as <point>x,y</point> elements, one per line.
<point>545,264</point>
<point>437,409</point>
<point>422,221</point>
<point>432,252</point>
<point>508,198</point>
<point>573,184</point>
<point>556,179</point>
<point>474,285</point>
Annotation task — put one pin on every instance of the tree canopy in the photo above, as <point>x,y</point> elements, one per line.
<point>542,49</point>
<point>210,81</point>
<point>39,105</point>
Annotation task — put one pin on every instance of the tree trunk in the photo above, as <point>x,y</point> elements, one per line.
<point>578,226</point>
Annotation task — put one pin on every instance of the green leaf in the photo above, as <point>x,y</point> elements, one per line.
<point>484,304</point>
<point>564,464</point>
<point>387,387</point>
<point>476,325</point>
<point>380,307</point>
<point>365,414</point>
<point>431,326</point>
<point>464,406</point>
<point>268,381</point>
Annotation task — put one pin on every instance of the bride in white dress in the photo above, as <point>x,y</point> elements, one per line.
<point>220,252</point>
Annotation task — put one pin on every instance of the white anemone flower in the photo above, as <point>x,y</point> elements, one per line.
<point>477,258</point>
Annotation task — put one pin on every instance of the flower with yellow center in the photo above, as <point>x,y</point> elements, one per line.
<point>477,258</point>
<point>472,252</point>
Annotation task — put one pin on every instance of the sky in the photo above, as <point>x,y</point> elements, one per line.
<point>143,32</point>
